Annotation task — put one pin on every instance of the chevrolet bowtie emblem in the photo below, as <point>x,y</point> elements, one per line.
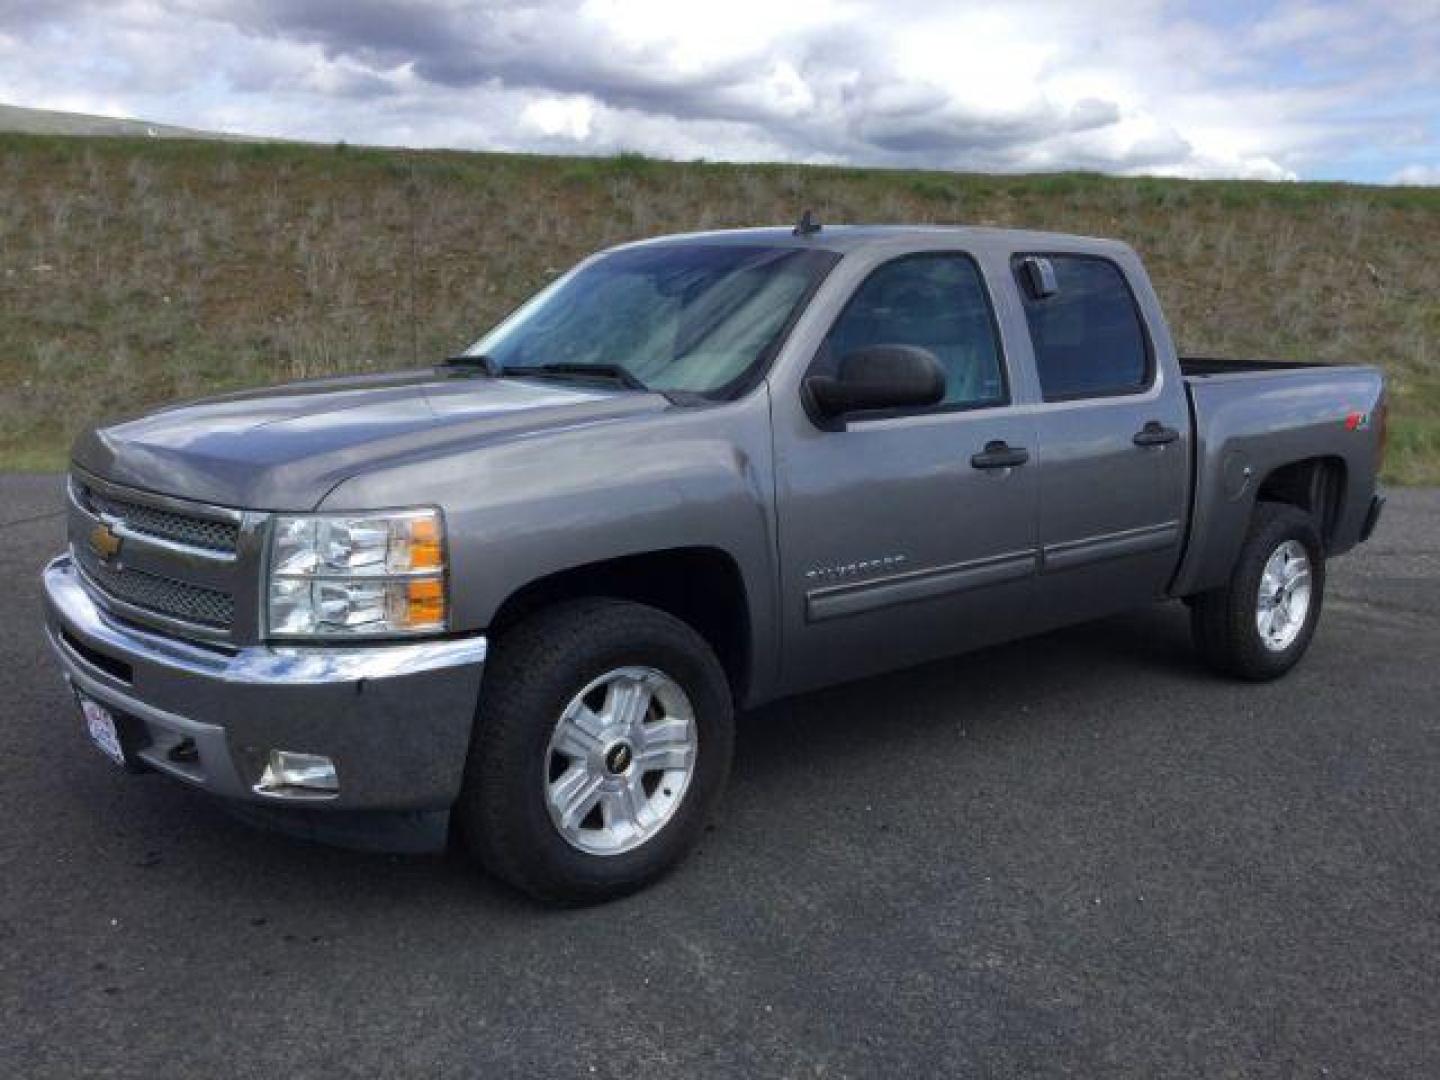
<point>105,542</point>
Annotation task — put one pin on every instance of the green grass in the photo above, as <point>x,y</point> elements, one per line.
<point>1414,450</point>
<point>134,271</point>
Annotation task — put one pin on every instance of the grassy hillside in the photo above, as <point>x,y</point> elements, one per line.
<point>138,271</point>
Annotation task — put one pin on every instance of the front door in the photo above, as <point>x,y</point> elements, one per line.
<point>907,535</point>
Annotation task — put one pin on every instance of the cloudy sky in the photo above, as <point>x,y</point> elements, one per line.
<point>1295,89</point>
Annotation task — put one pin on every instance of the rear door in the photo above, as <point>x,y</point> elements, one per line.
<point>1113,431</point>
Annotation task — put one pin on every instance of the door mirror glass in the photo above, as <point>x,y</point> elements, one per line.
<point>875,378</point>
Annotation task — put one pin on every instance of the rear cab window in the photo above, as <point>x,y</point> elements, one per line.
<point>1085,327</point>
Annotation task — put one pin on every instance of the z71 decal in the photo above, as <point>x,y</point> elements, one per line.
<point>1357,421</point>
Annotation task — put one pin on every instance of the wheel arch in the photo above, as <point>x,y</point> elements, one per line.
<point>701,586</point>
<point>1316,485</point>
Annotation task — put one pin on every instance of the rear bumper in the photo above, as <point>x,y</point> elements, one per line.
<point>395,718</point>
<point>1372,517</point>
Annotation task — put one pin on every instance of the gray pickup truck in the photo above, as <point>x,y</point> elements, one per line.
<point>512,600</point>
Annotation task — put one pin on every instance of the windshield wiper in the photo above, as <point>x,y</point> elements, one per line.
<point>487,364</point>
<point>611,372</point>
<point>496,370</point>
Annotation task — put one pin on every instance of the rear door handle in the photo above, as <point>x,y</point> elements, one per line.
<point>1155,433</point>
<point>1000,455</point>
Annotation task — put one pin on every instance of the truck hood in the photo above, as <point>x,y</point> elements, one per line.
<point>285,447</point>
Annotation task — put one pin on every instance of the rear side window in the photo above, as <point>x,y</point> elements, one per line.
<point>1088,338</point>
<point>937,302</point>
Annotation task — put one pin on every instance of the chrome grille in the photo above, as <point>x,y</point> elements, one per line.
<point>198,532</point>
<point>175,599</point>
<point>182,567</point>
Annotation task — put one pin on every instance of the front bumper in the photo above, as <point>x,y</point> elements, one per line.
<point>395,718</point>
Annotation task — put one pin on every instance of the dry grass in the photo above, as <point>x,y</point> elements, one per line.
<point>136,272</point>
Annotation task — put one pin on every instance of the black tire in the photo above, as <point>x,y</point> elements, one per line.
<point>535,669</point>
<point>1223,620</point>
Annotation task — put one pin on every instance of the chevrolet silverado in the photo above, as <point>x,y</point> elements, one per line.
<point>513,599</point>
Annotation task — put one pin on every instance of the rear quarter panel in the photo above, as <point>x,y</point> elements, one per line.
<point>1249,424</point>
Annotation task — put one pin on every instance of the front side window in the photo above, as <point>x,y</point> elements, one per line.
<point>934,301</point>
<point>1087,334</point>
<point>700,318</point>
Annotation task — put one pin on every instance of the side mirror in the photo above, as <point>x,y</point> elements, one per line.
<point>1039,277</point>
<point>880,377</point>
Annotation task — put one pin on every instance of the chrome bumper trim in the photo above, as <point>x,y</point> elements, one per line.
<point>301,665</point>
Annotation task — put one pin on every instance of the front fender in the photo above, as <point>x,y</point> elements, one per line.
<point>530,507</point>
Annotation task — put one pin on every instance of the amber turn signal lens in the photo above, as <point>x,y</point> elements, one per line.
<point>425,546</point>
<point>425,603</point>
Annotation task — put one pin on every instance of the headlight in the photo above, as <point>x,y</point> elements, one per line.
<point>341,575</point>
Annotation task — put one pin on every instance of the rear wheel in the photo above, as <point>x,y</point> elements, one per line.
<point>601,748</point>
<point>1260,623</point>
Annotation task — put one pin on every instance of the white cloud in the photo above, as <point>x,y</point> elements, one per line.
<point>1418,175</point>
<point>568,117</point>
<point>1299,88</point>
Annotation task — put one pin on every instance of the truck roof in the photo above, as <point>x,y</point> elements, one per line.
<point>847,238</point>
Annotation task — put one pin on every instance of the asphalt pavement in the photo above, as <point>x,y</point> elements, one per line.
<point>1080,855</point>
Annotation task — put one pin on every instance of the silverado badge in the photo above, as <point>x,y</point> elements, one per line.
<point>105,542</point>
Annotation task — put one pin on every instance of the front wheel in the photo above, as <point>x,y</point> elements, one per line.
<point>1259,624</point>
<point>601,747</point>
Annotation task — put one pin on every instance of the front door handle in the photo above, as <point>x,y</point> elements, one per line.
<point>1155,433</point>
<point>999,454</point>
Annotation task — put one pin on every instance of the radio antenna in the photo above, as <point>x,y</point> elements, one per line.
<point>807,224</point>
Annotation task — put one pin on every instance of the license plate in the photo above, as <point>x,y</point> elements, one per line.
<point>101,724</point>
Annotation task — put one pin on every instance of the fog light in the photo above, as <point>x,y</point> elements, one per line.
<point>310,772</point>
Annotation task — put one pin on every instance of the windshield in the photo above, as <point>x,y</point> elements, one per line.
<point>687,317</point>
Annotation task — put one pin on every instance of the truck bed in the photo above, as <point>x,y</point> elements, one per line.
<point>1252,417</point>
